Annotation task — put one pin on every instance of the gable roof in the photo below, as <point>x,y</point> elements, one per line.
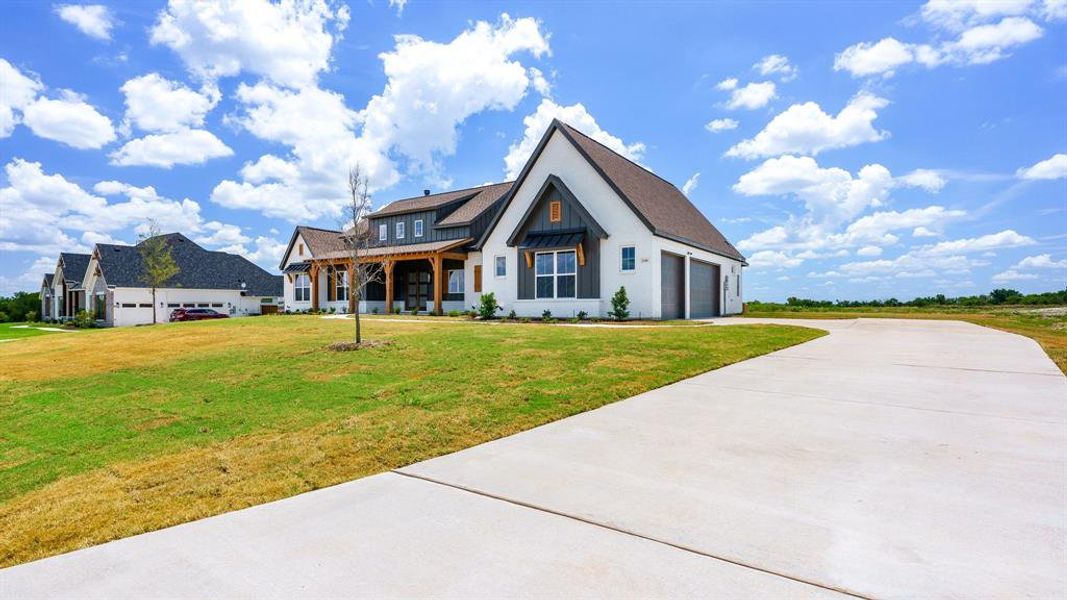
<point>319,241</point>
<point>48,277</point>
<point>661,206</point>
<point>74,266</point>
<point>427,202</point>
<point>482,201</point>
<point>122,266</point>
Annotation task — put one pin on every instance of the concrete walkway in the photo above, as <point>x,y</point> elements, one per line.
<point>890,459</point>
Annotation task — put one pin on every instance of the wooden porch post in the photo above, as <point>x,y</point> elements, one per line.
<point>351,287</point>
<point>388,287</point>
<point>437,288</point>
<point>314,287</point>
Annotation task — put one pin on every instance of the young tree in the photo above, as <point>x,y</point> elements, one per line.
<point>358,242</point>
<point>159,265</point>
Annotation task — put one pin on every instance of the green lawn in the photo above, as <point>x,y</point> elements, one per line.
<point>10,331</point>
<point>129,430</point>
<point>1046,325</point>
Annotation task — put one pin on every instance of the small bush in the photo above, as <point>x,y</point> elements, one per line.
<point>620,305</point>
<point>582,315</point>
<point>333,309</point>
<point>488,307</point>
<point>414,311</point>
<point>83,320</point>
<point>454,313</point>
<point>31,316</point>
<point>374,310</point>
<point>511,315</point>
<point>546,315</point>
<point>396,310</point>
<point>3,317</point>
<point>524,320</point>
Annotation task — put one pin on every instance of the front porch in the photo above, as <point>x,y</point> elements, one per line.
<point>421,277</point>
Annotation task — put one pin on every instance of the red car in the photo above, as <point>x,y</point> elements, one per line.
<point>196,314</point>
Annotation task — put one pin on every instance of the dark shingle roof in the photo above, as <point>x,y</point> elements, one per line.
<point>429,202</point>
<point>48,277</point>
<point>74,266</point>
<point>122,266</point>
<point>663,207</point>
<point>320,241</point>
<point>478,204</point>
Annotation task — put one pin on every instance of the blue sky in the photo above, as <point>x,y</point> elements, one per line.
<point>851,150</point>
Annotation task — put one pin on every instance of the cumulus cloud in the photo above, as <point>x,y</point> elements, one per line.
<point>752,96</point>
<point>993,241</point>
<point>94,20</point>
<point>727,85</point>
<point>1054,167</point>
<point>806,129</point>
<point>770,258</point>
<point>927,179</point>
<point>691,184</point>
<point>287,42</point>
<point>574,115</point>
<point>68,119</point>
<point>154,103</point>
<point>776,64</point>
<point>719,125</point>
<point>17,91</point>
<point>1041,261</point>
<point>182,147</point>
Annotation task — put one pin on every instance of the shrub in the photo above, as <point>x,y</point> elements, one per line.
<point>333,309</point>
<point>524,320</point>
<point>84,319</point>
<point>396,310</point>
<point>414,310</point>
<point>511,314</point>
<point>546,315</point>
<point>454,313</point>
<point>582,315</point>
<point>488,307</point>
<point>374,310</point>
<point>3,317</point>
<point>620,305</point>
<point>31,316</point>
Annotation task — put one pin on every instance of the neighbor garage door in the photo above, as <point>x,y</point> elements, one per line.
<point>703,290</point>
<point>672,286</point>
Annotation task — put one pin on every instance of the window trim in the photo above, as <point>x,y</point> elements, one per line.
<point>462,280</point>
<point>340,284</point>
<point>417,228</point>
<point>622,258</point>
<point>499,260</point>
<point>400,230</point>
<point>297,287</point>
<point>555,275</point>
<point>383,232</point>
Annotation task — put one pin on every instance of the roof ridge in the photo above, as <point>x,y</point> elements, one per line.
<point>318,228</point>
<point>604,146</point>
<point>455,191</point>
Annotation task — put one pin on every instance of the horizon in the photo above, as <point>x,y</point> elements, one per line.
<point>863,151</point>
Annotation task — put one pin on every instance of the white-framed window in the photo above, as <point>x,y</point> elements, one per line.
<point>455,281</point>
<point>341,284</point>
<point>628,258</point>
<point>556,274</point>
<point>418,228</point>
<point>302,288</point>
<point>383,232</point>
<point>399,230</point>
<point>501,266</point>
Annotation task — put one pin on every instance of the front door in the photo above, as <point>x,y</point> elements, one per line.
<point>418,290</point>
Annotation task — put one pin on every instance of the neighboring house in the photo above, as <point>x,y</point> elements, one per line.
<point>112,283</point>
<point>67,295</point>
<point>47,310</point>
<point>580,222</point>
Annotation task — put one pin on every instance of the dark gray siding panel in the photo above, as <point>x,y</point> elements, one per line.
<point>672,286</point>
<point>429,234</point>
<point>703,290</point>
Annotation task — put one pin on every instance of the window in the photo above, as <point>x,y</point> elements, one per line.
<point>383,232</point>
<point>400,230</point>
<point>555,211</point>
<point>629,258</point>
<point>501,266</point>
<point>341,285</point>
<point>418,228</point>
<point>128,305</point>
<point>173,305</point>
<point>455,281</point>
<point>302,288</point>
<point>556,274</point>
<point>216,305</point>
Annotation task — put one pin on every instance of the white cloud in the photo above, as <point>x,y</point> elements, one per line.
<point>154,103</point>
<point>923,232</point>
<point>288,42</point>
<point>691,184</point>
<point>776,64</point>
<point>869,251</point>
<point>94,20</point>
<point>988,43</point>
<point>752,96</point>
<point>182,147</point>
<point>1041,261</point>
<point>718,125</point>
<point>806,129</point>
<point>769,258</point>
<point>1054,167</point>
<point>221,234</point>
<point>727,85</point>
<point>1013,275</point>
<point>17,91</point>
<point>398,5</point>
<point>994,241</point>
<point>883,57</point>
<point>876,227</point>
<point>574,115</point>
<point>31,277</point>
<point>960,14</point>
<point>266,251</point>
<point>70,120</point>
<point>927,179</point>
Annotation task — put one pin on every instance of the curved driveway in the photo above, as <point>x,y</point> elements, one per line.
<point>890,459</point>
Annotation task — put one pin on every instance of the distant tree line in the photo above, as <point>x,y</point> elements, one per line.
<point>17,307</point>
<point>996,297</point>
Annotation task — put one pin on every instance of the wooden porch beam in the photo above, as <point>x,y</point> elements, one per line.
<point>388,267</point>
<point>438,262</point>
<point>314,288</point>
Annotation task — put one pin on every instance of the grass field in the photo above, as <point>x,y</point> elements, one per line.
<point>1047,326</point>
<point>11,331</point>
<point>128,430</point>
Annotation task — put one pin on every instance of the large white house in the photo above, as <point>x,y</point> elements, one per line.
<point>109,283</point>
<point>578,223</point>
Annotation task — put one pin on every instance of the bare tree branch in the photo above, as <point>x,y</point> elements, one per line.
<point>361,268</point>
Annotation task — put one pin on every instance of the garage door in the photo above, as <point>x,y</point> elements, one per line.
<point>703,290</point>
<point>672,286</point>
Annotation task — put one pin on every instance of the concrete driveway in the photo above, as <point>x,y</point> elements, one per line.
<point>890,459</point>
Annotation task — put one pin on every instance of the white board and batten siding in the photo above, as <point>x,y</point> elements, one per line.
<point>624,228</point>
